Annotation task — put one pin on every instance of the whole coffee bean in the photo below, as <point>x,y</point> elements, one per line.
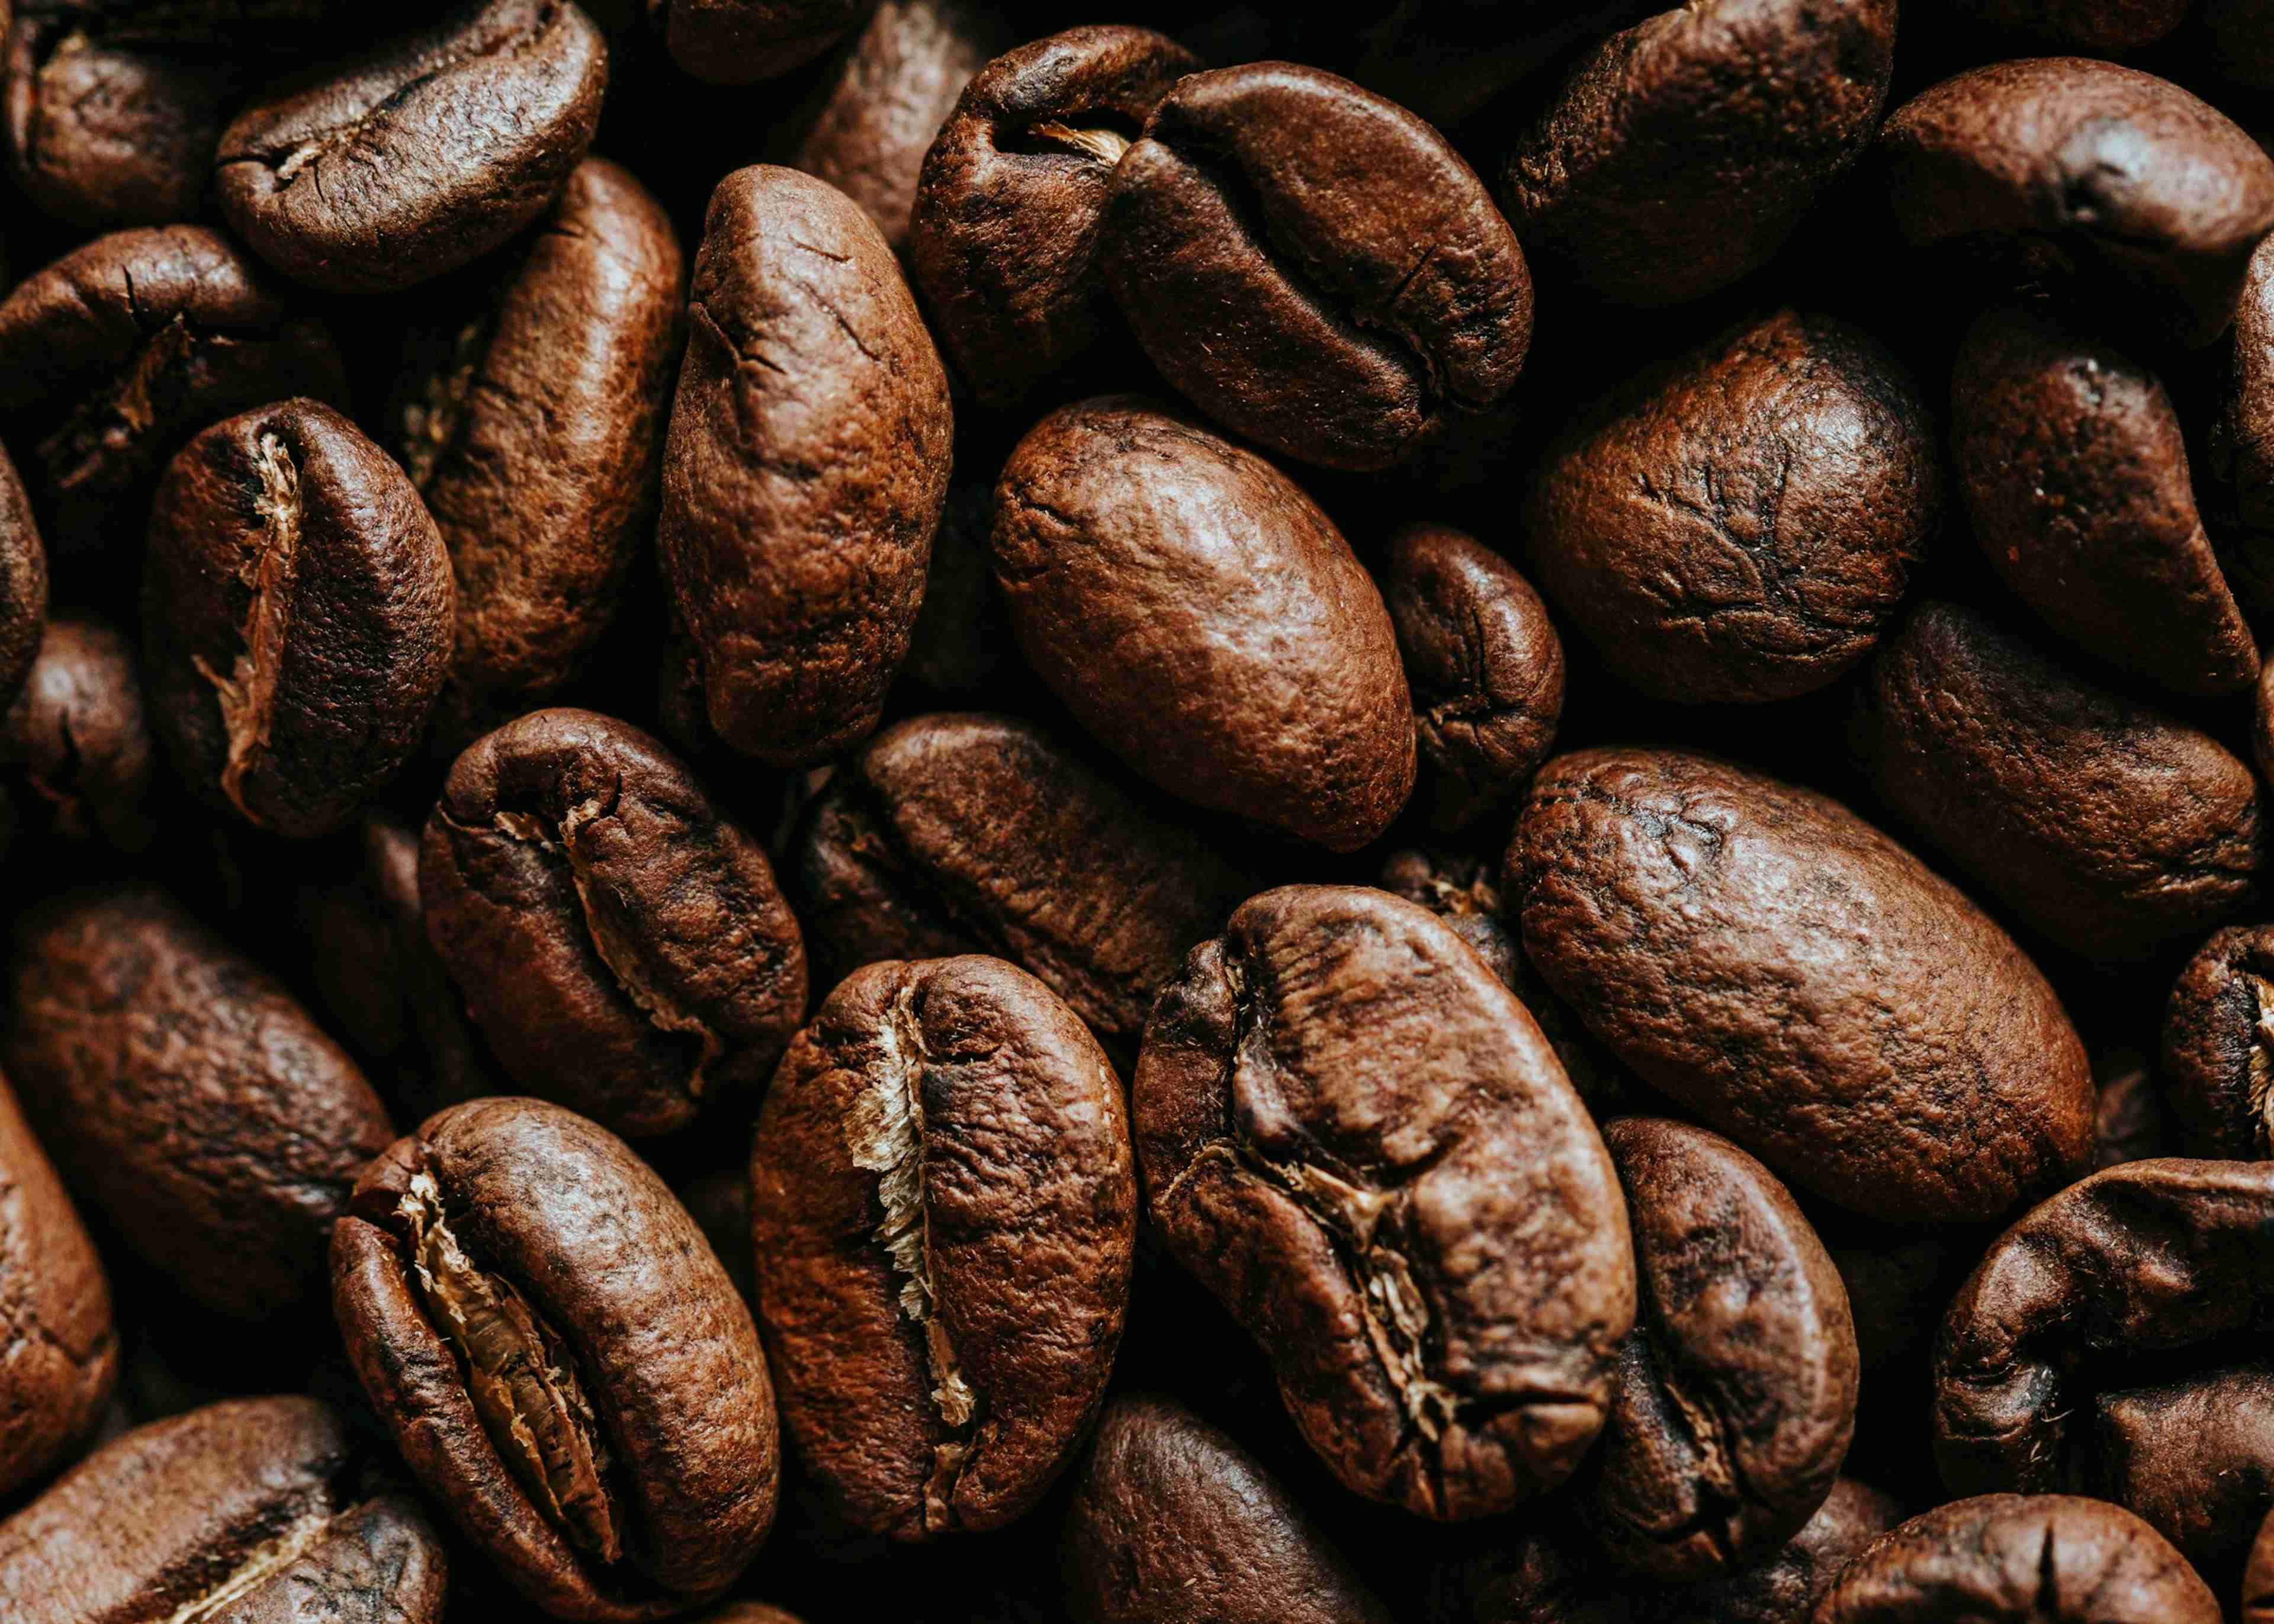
<point>620,942</point>
<point>296,611</point>
<point>1802,982</point>
<point>76,755</point>
<point>2113,827</point>
<point>2074,470</point>
<point>419,155</point>
<point>561,1359</point>
<point>1679,154</point>
<point>805,469</point>
<point>1484,665</point>
<point>2073,170</point>
<point>1342,325</point>
<point>245,1511</point>
<point>1361,1143</point>
<point>1735,1399</point>
<point>23,581</point>
<point>2218,1047</point>
<point>1172,1519</point>
<point>740,41</point>
<point>1005,237</point>
<point>1202,616</point>
<point>532,426</point>
<point>943,1211</point>
<point>2130,1121</point>
<point>59,1351</point>
<point>1739,523</point>
<point>2241,455</point>
<point>2193,1459</point>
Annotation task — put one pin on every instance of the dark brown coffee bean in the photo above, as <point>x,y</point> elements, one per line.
<point>76,755</point>
<point>1342,323</point>
<point>806,467</point>
<point>2193,1458</point>
<point>420,155</point>
<point>23,581</point>
<point>1005,236</point>
<point>534,431</point>
<point>1172,1519</point>
<point>618,940</point>
<point>1200,615</point>
<point>2074,470</point>
<point>2218,1047</point>
<point>297,605</point>
<point>943,1210</point>
<point>2112,826</point>
<point>2070,169</point>
<point>2013,1559</point>
<point>2130,1121</point>
<point>187,1098</point>
<point>561,1359</point>
<point>2241,455</point>
<point>1361,1143</point>
<point>1803,983</point>
<point>242,1512</point>
<point>1679,154</point>
<point>1739,524</point>
<point>740,41</point>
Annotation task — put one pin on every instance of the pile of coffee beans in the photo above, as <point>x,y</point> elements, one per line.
<point>1427,812</point>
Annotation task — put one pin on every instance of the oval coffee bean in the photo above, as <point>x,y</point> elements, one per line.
<point>620,942</point>
<point>1802,982</point>
<point>434,148</point>
<point>805,469</point>
<point>186,1097</point>
<point>740,41</point>
<point>938,1131</point>
<point>1679,154</point>
<point>1172,1519</point>
<point>240,1512</point>
<point>76,755</point>
<point>561,1359</point>
<point>1202,616</point>
<point>2085,171</point>
<point>1359,1139</point>
<point>296,611</point>
<point>1739,524</point>
<point>2074,470</point>
<point>23,581</point>
<point>2218,1072</point>
<point>2113,827</point>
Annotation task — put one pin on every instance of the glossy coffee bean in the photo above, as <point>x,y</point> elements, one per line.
<point>23,581</point>
<point>740,41</point>
<point>2218,1063</point>
<point>76,754</point>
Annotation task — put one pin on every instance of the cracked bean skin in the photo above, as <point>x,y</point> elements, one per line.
<point>805,469</point>
<point>1679,154</point>
<point>297,605</point>
<point>1738,523</point>
<point>379,172</point>
<point>1202,616</point>
<point>2112,826</point>
<point>2083,173</point>
<point>1172,1519</point>
<point>1361,1143</point>
<point>2217,1069</point>
<point>618,941</point>
<point>77,758</point>
<point>510,1262</point>
<point>741,41</point>
<point>1734,1400</point>
<point>23,583</point>
<point>1809,987</point>
<point>1342,325</point>
<point>187,1096</point>
<point>244,1512</point>
<point>2019,1559</point>
<point>943,1209</point>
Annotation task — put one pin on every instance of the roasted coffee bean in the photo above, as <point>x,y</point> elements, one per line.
<point>532,425</point>
<point>2218,1047</point>
<point>1359,1140</point>
<point>1739,523</point>
<point>2241,457</point>
<point>2063,169</point>
<point>2074,472</point>
<point>76,755</point>
<point>1172,1519</point>
<point>561,1359</point>
<point>297,613</point>
<point>1803,983</point>
<point>618,940</point>
<point>740,41</point>
<point>2193,1459</point>
<point>805,469</point>
<point>1200,615</point>
<point>186,1097</point>
<point>2112,826</point>
<point>245,1511</point>
<point>943,1211</point>
<point>2095,28</point>
<point>1679,154</point>
<point>1341,325</point>
<point>1464,893</point>
<point>422,154</point>
<point>1005,237</point>
<point>23,581</point>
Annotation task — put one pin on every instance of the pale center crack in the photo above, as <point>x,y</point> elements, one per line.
<point>2259,1078</point>
<point>268,566</point>
<point>257,1568</point>
<point>1105,146</point>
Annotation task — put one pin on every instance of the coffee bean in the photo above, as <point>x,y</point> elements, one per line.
<point>1464,893</point>
<point>2241,451</point>
<point>2218,1047</point>
<point>23,581</point>
<point>2193,1459</point>
<point>76,755</point>
<point>740,41</point>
